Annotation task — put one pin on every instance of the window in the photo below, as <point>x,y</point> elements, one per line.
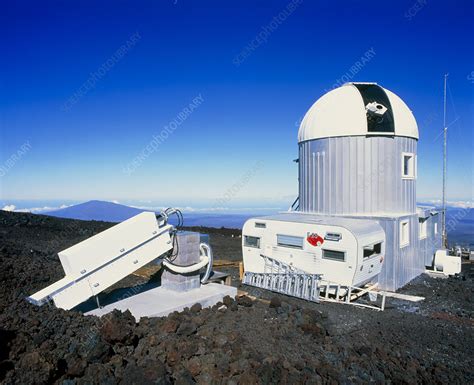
<point>422,223</point>
<point>290,241</point>
<point>408,165</point>
<point>372,250</point>
<point>260,225</point>
<point>334,255</point>
<point>436,228</point>
<point>404,233</point>
<point>250,241</point>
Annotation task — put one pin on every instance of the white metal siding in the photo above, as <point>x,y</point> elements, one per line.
<point>432,242</point>
<point>401,264</point>
<point>356,175</point>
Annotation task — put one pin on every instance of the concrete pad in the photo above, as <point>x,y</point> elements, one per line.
<point>160,302</point>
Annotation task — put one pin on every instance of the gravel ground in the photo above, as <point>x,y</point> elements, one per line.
<point>278,340</point>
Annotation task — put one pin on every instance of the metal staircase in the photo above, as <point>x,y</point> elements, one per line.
<point>285,279</point>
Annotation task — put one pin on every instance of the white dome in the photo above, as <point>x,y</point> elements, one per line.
<point>358,109</point>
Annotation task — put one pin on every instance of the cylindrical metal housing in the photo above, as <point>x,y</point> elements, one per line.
<point>357,175</point>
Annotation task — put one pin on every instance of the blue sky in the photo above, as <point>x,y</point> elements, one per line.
<point>240,140</point>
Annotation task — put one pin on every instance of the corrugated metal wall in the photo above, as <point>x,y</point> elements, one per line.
<point>401,264</point>
<point>433,241</point>
<point>356,175</point>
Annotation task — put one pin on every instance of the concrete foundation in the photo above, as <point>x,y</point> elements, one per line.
<point>160,302</point>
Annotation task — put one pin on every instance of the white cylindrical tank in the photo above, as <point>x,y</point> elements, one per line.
<point>357,153</point>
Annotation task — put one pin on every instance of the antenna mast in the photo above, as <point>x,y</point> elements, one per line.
<point>445,238</point>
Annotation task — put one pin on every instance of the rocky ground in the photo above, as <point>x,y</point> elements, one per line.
<point>276,340</point>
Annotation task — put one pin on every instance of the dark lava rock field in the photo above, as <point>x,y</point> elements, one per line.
<point>270,340</point>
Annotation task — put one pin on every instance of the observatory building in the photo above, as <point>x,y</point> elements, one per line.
<point>358,170</point>
<point>358,158</point>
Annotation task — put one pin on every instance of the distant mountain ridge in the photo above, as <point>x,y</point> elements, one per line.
<point>460,222</point>
<point>97,211</point>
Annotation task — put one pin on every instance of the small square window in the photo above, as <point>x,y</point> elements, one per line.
<point>250,241</point>
<point>404,233</point>
<point>408,165</point>
<point>422,224</point>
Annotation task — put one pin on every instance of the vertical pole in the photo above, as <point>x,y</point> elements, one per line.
<point>445,238</point>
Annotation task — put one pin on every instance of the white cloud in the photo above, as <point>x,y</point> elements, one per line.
<point>456,204</point>
<point>461,204</point>
<point>188,209</point>
<point>33,210</point>
<point>37,209</point>
<point>116,202</point>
